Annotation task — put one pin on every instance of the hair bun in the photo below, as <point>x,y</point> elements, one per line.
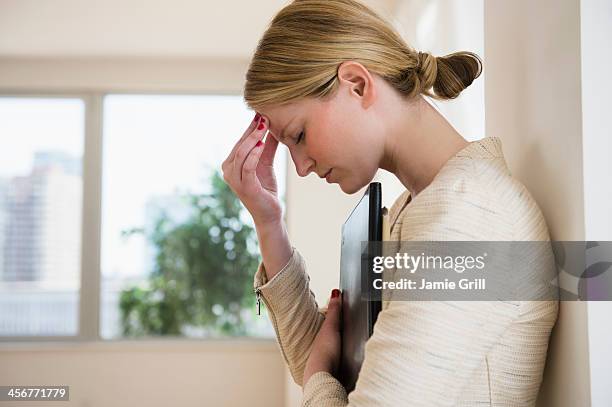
<point>423,58</point>
<point>427,69</point>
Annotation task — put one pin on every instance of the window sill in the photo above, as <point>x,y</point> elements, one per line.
<point>142,345</point>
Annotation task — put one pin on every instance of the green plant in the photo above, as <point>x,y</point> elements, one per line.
<point>202,277</point>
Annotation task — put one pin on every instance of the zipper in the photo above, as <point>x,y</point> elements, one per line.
<point>258,302</point>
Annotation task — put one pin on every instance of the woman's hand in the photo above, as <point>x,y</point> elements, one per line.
<point>325,352</point>
<point>249,172</point>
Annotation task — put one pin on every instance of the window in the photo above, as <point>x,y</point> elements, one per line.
<point>40,215</point>
<point>177,250</point>
<point>165,266</point>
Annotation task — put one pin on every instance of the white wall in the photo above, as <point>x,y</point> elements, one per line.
<point>135,28</point>
<point>542,101</point>
<point>596,32</point>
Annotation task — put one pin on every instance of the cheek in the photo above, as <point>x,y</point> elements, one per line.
<point>340,140</point>
<point>334,135</point>
<point>323,143</point>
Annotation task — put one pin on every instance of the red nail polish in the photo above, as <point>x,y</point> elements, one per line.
<point>257,116</point>
<point>258,143</point>
<point>335,293</point>
<point>261,126</point>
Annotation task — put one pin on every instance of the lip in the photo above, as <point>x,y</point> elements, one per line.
<point>324,175</point>
<point>328,174</point>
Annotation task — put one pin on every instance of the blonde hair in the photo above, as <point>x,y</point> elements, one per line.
<point>299,54</point>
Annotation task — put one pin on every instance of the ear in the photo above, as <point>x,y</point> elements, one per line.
<point>358,81</point>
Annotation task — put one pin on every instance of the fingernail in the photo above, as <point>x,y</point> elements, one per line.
<point>261,125</point>
<point>257,116</point>
<point>258,143</point>
<point>335,293</point>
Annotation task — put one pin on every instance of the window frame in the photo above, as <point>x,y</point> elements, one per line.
<point>89,309</point>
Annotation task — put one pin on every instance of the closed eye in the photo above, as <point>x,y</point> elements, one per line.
<point>300,138</point>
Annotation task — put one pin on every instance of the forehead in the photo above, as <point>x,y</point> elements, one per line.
<point>281,116</point>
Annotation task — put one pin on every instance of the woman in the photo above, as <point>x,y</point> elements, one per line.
<point>338,86</point>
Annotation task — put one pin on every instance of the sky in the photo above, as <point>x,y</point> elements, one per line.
<point>28,124</point>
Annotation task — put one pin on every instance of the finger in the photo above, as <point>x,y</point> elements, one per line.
<point>269,151</point>
<point>247,145</point>
<point>248,174</point>
<point>334,309</point>
<point>252,126</point>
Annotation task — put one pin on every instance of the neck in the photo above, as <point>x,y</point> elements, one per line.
<point>418,142</point>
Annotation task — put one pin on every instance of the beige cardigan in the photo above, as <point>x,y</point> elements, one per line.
<point>433,353</point>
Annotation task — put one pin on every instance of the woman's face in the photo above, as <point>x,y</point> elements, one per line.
<point>336,135</point>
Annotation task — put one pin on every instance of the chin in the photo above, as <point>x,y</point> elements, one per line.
<point>351,188</point>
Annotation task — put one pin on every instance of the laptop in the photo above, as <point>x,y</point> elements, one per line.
<point>359,310</point>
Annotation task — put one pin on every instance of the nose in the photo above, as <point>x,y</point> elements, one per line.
<point>303,164</point>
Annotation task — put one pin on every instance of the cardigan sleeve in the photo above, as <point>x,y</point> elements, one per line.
<point>293,311</point>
